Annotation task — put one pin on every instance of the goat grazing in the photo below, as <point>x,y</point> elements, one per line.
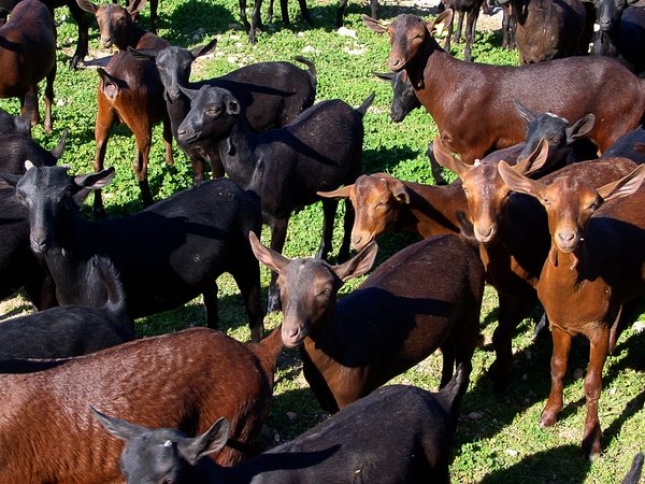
<point>571,88</point>
<point>286,167</point>
<point>595,266</point>
<point>512,232</point>
<point>350,347</point>
<point>166,255</point>
<point>355,443</point>
<point>548,29</point>
<point>271,94</point>
<point>183,380</point>
<point>65,331</point>
<point>621,33</point>
<point>385,204</point>
<point>28,55</point>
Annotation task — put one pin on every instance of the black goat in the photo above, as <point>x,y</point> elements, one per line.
<point>256,20</point>
<point>65,331</point>
<point>18,147</point>
<point>621,34</point>
<point>166,255</point>
<point>470,8</point>
<point>397,434</point>
<point>19,267</point>
<point>630,145</point>
<point>318,151</point>
<point>271,94</point>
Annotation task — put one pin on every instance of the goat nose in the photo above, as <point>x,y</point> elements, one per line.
<point>395,64</point>
<point>566,236</point>
<point>38,245</point>
<point>107,42</point>
<point>484,233</point>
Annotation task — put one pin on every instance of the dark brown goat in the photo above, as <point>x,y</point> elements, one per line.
<point>549,29</point>
<point>130,90</point>
<point>570,88</point>
<point>470,8</point>
<point>28,55</point>
<point>595,265</point>
<point>184,380</point>
<point>385,204</point>
<point>432,290</point>
<point>513,235</point>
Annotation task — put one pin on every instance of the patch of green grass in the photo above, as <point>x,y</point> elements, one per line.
<point>499,439</point>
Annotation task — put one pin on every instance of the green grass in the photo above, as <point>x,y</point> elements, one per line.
<point>499,439</point>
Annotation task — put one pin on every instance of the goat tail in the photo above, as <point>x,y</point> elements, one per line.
<point>109,277</point>
<point>313,73</point>
<point>450,396</point>
<point>362,109</point>
<point>634,474</point>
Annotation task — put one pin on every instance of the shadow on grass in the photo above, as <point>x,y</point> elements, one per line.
<point>385,159</point>
<point>195,21</point>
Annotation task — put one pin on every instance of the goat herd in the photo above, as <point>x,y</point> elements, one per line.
<point>532,212</point>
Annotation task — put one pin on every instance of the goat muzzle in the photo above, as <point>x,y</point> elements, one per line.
<point>396,64</point>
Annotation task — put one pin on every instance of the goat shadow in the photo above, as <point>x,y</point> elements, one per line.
<point>208,18</point>
<point>385,159</point>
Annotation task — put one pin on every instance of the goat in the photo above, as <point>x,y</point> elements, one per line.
<point>594,266</point>
<point>630,145</point>
<point>28,55</point>
<point>6,7</point>
<point>548,29</point>
<point>350,347</point>
<point>355,444</point>
<point>570,88</point>
<point>19,266</point>
<point>66,331</point>
<point>471,9</point>
<point>198,234</point>
<point>286,166</point>
<point>512,233</point>
<point>145,381</point>
<point>18,147</point>
<point>129,90</point>
<point>385,204</point>
<point>256,20</point>
<point>14,125</point>
<point>271,94</point>
<point>508,25</point>
<point>622,30</point>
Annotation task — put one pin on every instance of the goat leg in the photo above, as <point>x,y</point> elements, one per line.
<point>561,347</point>
<point>83,28</point>
<point>593,387</point>
<point>247,277</point>
<point>305,12</point>
<point>329,213</point>
<point>210,302</point>
<point>278,237</point>
<point>49,99</point>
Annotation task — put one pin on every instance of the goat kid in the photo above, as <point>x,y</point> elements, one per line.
<point>357,441</point>
<point>286,167</point>
<point>594,267</point>
<point>144,381</point>
<point>349,348</point>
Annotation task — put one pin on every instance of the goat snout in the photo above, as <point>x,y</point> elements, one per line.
<point>397,116</point>
<point>566,240</point>
<point>361,240</point>
<point>107,42</point>
<point>39,244</point>
<point>484,233</point>
<point>186,135</point>
<point>292,336</point>
<point>395,64</point>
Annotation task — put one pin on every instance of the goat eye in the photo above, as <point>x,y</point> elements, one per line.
<point>325,293</point>
<point>594,205</point>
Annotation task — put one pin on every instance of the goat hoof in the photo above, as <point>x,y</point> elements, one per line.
<point>78,62</point>
<point>548,419</point>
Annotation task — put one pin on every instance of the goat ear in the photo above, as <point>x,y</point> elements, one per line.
<point>624,187</point>
<point>581,127</point>
<point>359,264</point>
<point>372,24</point>
<point>87,6</point>
<point>399,190</point>
<point>10,178</point>
<point>342,192</point>
<point>518,182</point>
<point>60,147</point>
<point>189,93</point>
<point>205,49</point>
<point>444,19</point>
<point>213,440</point>
<point>96,180</point>
<point>268,257</point>
<point>232,107</point>
<point>526,114</point>
<point>384,76</point>
<point>121,429</point>
<point>535,161</point>
<point>135,6</point>
<point>444,158</point>
<point>148,54</point>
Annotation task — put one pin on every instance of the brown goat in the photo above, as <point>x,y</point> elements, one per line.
<point>385,204</point>
<point>512,232</point>
<point>488,120</point>
<point>427,296</point>
<point>130,90</point>
<point>28,55</point>
<point>595,265</point>
<point>183,380</point>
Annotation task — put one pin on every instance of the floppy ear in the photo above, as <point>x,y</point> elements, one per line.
<point>148,54</point>
<point>213,440</point>
<point>624,187</point>
<point>444,19</point>
<point>520,183</point>
<point>535,161</point>
<point>399,191</point>
<point>444,158</point>
<point>342,192</point>
<point>581,127</point>
<point>87,6</point>
<point>359,264</point>
<point>384,76</point>
<point>205,49</point>
<point>372,24</point>
<point>84,184</point>
<point>190,93</point>
<point>269,257</point>
<point>136,6</point>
